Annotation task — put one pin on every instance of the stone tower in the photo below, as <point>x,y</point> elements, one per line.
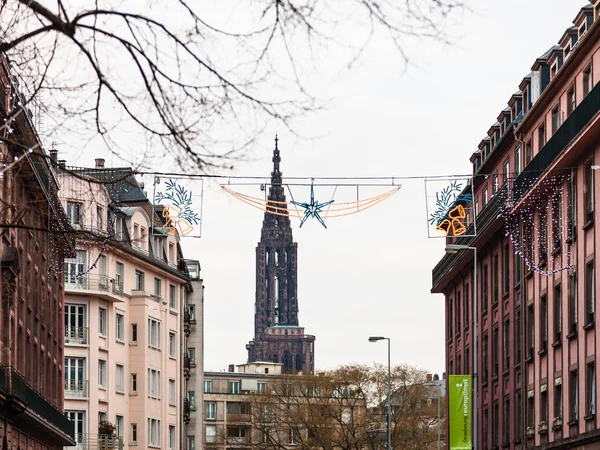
<point>277,335</point>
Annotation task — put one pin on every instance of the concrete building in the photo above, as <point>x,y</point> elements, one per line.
<point>193,360</point>
<point>33,241</point>
<point>535,191</point>
<point>277,335</point>
<point>124,294</point>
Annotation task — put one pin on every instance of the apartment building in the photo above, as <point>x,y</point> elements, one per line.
<point>193,364</point>
<point>535,191</point>
<point>34,239</point>
<point>125,290</point>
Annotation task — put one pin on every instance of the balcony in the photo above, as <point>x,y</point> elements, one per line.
<point>238,418</point>
<point>101,285</point>
<point>571,127</point>
<point>186,366</point>
<point>76,335</point>
<point>32,411</point>
<point>186,323</point>
<point>186,411</point>
<point>97,442</point>
<point>76,388</point>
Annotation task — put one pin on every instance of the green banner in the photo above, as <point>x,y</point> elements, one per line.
<point>459,411</point>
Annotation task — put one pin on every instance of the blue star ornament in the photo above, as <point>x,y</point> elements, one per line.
<point>312,209</point>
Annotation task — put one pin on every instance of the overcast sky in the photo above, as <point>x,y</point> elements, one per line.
<point>370,273</point>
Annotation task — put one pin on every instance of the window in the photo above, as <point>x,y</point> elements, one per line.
<point>541,136</point>
<point>134,383</point>
<point>450,318</point>
<point>518,161</point>
<point>573,396</point>
<point>531,330</point>
<point>172,296</point>
<point>543,233</point>
<point>530,410</point>
<point>191,396</point>
<point>571,101</point>
<point>119,274</point>
<point>506,421</point>
<point>120,378</point>
<point>172,345</point>
<point>506,346</point>
<point>154,383</point>
<point>154,432</point>
<point>99,218</point>
<point>210,410</point>
<point>102,373</point>
<point>558,400</point>
<point>484,288</point>
<point>556,222</point>
<point>505,269</point>
<point>136,235</point>
<point>555,119</point>
<point>120,328</point>
<point>207,386</point>
<point>466,304</point>
<point>495,353</point>
<point>134,433</point>
<point>139,280</point>
<point>588,190</point>
<point>589,292</point>
<point>495,185</point>
<point>192,355</point>
<point>572,208</point>
<point>573,303</point>
<point>528,152</point>
<point>191,442</point>
<point>119,426</point>
<point>484,198</point>
<point>518,336</point>
<point>158,287</point>
<point>153,333</point>
<point>234,387</point>
<point>192,312</point>
<point>172,392</point>
<point>172,253</point>
<point>74,213</point>
<point>484,378</point>
<point>587,80</point>
<point>543,323</point>
<point>590,389</point>
<point>102,321</point>
<point>158,248</point>
<point>557,313</point>
<point>134,333</point>
<point>261,387</point>
<point>496,424</point>
<point>457,303</point>
<point>74,267</point>
<point>171,437</point>
<point>495,271</point>
<point>544,406</point>
<point>211,434</point>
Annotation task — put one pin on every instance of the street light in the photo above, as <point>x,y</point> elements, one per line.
<point>438,383</point>
<point>389,393</point>
<point>455,248</point>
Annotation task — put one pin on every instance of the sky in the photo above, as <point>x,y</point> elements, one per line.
<point>370,273</point>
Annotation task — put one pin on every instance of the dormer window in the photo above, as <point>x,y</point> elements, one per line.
<point>596,11</point>
<point>582,30</point>
<point>567,51</point>
<point>525,100</point>
<point>553,70</point>
<point>528,152</point>
<point>74,213</point>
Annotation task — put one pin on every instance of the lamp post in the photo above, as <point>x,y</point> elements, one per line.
<point>389,391</point>
<point>438,383</point>
<point>454,248</point>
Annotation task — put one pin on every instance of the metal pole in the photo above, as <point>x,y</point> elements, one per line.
<point>389,399</point>
<point>439,415</point>
<point>475,358</point>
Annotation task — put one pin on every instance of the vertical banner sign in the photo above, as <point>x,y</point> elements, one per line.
<point>459,405</point>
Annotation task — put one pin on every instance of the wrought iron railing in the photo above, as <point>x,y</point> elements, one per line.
<point>97,442</point>
<point>571,127</point>
<point>14,385</point>
<point>76,388</point>
<point>76,335</point>
<point>94,282</point>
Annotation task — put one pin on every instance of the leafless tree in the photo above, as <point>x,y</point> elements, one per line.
<point>177,77</point>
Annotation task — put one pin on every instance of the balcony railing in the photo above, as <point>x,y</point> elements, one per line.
<point>93,282</point>
<point>186,366</point>
<point>76,388</point>
<point>186,323</point>
<point>186,411</point>
<point>76,335</point>
<point>571,127</point>
<point>97,442</point>
<point>23,397</point>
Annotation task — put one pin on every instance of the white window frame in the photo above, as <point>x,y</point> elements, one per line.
<point>120,426</point>
<point>172,437</point>
<point>154,432</point>
<point>133,383</point>
<point>134,332</point>
<point>208,384</point>
<point>172,392</point>
<point>234,387</point>
<point>120,327</point>
<point>154,333</point>
<point>102,373</point>
<point>134,433</point>
<point>154,383</point>
<point>102,314</point>
<point>139,280</point>
<point>210,410</point>
<point>120,378</point>
<point>172,344</point>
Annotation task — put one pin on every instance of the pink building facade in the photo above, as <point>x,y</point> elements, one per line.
<point>534,189</point>
<point>124,292</point>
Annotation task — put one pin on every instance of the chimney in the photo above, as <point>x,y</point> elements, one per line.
<point>429,378</point>
<point>62,163</point>
<point>53,155</point>
<point>99,163</point>
<point>231,368</point>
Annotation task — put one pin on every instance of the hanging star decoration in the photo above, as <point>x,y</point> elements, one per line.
<point>312,209</point>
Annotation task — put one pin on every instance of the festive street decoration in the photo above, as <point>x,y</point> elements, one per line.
<point>320,211</point>
<point>179,211</point>
<point>450,216</point>
<point>312,209</point>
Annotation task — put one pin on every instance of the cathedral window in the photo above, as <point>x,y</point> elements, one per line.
<point>276,257</point>
<point>267,256</point>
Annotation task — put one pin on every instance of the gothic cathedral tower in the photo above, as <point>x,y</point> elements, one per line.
<point>277,336</point>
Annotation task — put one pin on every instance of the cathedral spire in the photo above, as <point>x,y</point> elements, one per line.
<point>276,174</point>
